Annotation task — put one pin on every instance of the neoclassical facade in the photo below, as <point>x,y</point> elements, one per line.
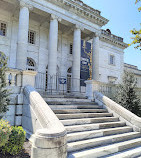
<point>45,36</point>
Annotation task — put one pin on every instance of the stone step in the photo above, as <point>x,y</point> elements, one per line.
<point>89,127</point>
<point>69,103</point>
<point>83,115</point>
<point>97,133</point>
<point>71,111</point>
<point>89,120</point>
<point>66,100</point>
<point>106,150</point>
<point>132,153</point>
<point>57,107</point>
<point>79,145</point>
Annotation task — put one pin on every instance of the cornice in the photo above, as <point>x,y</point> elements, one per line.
<point>82,10</point>
<point>112,39</point>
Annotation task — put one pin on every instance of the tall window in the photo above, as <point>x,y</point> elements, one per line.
<point>112,60</point>
<point>71,47</point>
<point>3,28</point>
<point>31,37</point>
<point>30,64</point>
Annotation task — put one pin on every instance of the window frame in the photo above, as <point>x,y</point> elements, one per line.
<point>71,49</point>
<point>31,68</point>
<point>31,31</point>
<point>112,63</point>
<point>5,28</point>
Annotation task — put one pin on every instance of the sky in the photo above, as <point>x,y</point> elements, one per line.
<point>123,16</point>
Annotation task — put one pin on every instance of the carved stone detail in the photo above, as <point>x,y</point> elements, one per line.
<point>55,17</point>
<point>26,3</point>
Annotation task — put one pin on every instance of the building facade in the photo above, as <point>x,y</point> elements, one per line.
<point>48,37</point>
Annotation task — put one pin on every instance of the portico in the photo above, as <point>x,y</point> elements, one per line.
<point>78,30</point>
<point>46,37</point>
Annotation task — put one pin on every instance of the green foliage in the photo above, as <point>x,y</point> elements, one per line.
<point>15,142</point>
<point>4,93</point>
<point>126,94</point>
<point>136,3</point>
<point>5,131</point>
<point>136,33</point>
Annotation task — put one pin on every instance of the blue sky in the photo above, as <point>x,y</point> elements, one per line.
<point>123,16</point>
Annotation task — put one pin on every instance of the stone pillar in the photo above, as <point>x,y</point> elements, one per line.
<point>76,60</point>
<point>23,35</point>
<point>52,55</point>
<point>95,58</point>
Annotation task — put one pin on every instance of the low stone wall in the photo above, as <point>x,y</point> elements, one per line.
<point>49,134</point>
<point>123,114</point>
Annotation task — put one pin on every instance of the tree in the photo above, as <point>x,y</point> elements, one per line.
<point>126,94</point>
<point>136,33</point>
<point>4,93</point>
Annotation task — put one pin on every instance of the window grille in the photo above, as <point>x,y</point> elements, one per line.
<point>30,64</point>
<point>112,60</point>
<point>3,28</point>
<point>31,37</point>
<point>71,48</point>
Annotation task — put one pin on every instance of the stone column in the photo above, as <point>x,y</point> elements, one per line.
<point>52,53</point>
<point>23,35</point>
<point>76,60</point>
<point>95,57</point>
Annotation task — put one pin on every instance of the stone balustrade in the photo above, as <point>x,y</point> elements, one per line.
<point>14,80</point>
<point>104,32</point>
<point>49,134</point>
<point>119,111</point>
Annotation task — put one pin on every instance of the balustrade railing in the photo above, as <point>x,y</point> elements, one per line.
<point>104,32</point>
<point>110,90</point>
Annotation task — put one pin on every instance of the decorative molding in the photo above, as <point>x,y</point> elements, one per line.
<point>112,39</point>
<point>26,3</point>
<point>53,17</point>
<point>78,27</point>
<point>82,10</point>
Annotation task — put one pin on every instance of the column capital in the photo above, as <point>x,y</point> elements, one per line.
<point>53,17</point>
<point>26,3</point>
<point>97,34</point>
<point>79,27</point>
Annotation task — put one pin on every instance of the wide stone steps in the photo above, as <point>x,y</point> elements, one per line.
<point>97,133</point>
<point>73,106</point>
<point>89,127</point>
<point>71,111</point>
<point>79,145</point>
<point>132,153</point>
<point>106,150</point>
<point>93,132</point>
<point>83,115</point>
<point>89,121</point>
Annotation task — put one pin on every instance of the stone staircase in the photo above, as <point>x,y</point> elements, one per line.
<point>93,132</point>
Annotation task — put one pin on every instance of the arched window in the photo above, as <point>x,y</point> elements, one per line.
<point>31,64</point>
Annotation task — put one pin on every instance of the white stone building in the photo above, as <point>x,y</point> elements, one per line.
<point>45,36</point>
<point>136,71</point>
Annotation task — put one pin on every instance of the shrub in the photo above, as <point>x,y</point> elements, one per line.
<point>4,93</point>
<point>15,142</point>
<point>5,131</point>
<point>127,94</point>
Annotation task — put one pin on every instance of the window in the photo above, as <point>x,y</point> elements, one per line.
<point>30,64</point>
<point>3,28</point>
<point>112,60</point>
<point>71,47</point>
<point>31,37</point>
